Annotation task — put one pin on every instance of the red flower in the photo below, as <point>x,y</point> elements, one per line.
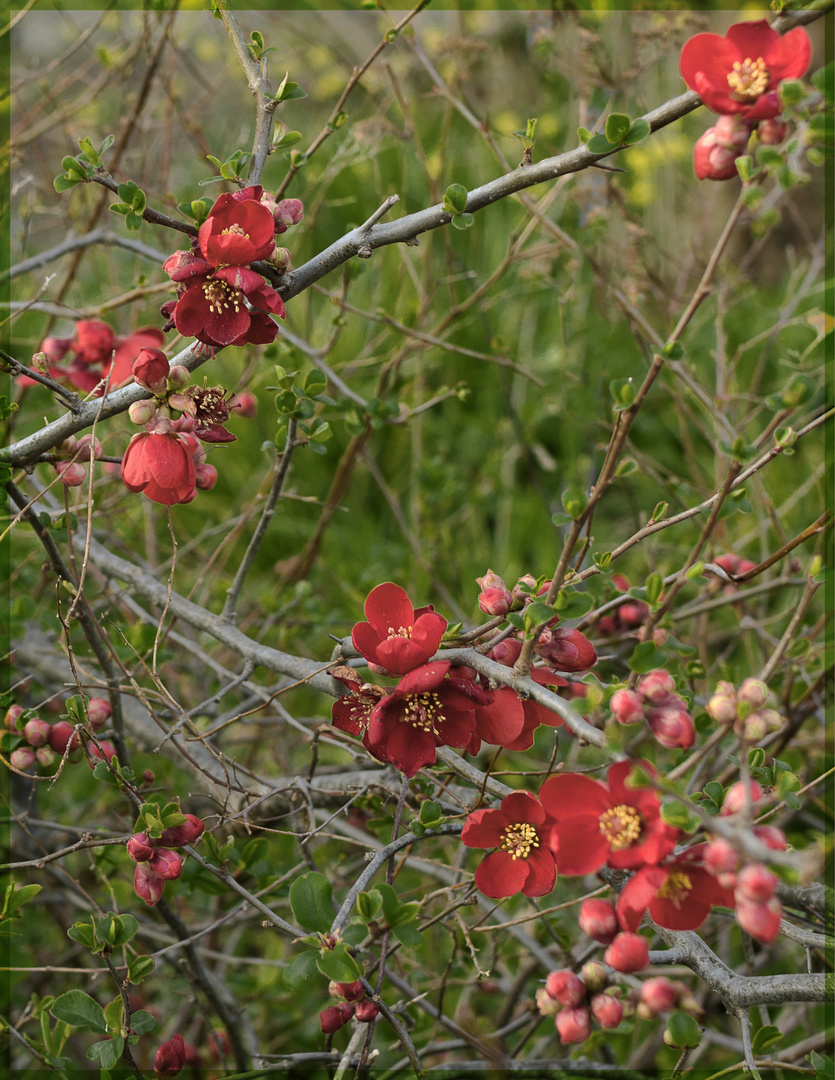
<point>596,824</point>
<point>396,637</point>
<point>159,464</point>
<point>534,714</point>
<point>237,232</point>
<point>97,351</point>
<point>739,73</point>
<point>219,313</point>
<point>679,893</point>
<point>352,711</point>
<point>523,862</point>
<point>424,711</point>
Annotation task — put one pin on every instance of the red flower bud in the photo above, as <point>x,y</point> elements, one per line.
<point>738,796</point>
<point>627,706</point>
<point>607,1010</point>
<point>150,369</point>
<point>36,731</point>
<point>565,987</point>
<point>61,734</point>
<point>598,919</point>
<point>147,885</point>
<point>352,991</point>
<point>573,1025</point>
<point>659,995</point>
<point>771,836</point>
<point>106,751</point>
<point>366,1011</point>
<point>12,715</point>
<point>45,756</point>
<point>23,758</point>
<point>755,883</point>
<point>761,921</point>
<point>628,952</point>
<point>335,1017</point>
<point>672,727</point>
<point>166,864</point>
<point>140,847</point>
<point>495,601</point>
<point>656,685</point>
<point>178,835</point>
<point>71,473</point>
<point>98,712</point>
<point>170,1058</point>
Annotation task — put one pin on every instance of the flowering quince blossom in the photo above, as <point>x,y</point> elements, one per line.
<point>523,862</point>
<point>158,464</point>
<point>237,232</point>
<point>507,653</point>
<point>397,638</point>
<point>716,153</point>
<point>96,352</point>
<point>740,73</point>
<point>595,823</point>
<point>679,893</point>
<point>425,710</point>
<point>351,712</point>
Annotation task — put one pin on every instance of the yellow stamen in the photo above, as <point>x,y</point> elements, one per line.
<point>621,825</point>
<point>519,839</point>
<point>748,79</point>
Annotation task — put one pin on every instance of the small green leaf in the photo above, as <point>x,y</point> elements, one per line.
<point>654,587</point>
<point>430,813</point>
<point>142,1022</point>
<point>571,604</point>
<point>682,1030</point>
<point>462,221</point>
<point>455,199</point>
<point>765,1040</point>
<point>823,80</point>
<point>617,127</point>
<point>338,964</point>
<point>297,973</point>
<point>140,968</point>
<point>602,559</point>
<point>599,144</point>
<point>408,934</point>
<point>79,1010</point>
<point>677,814</point>
<point>583,134</point>
<point>645,656</point>
<point>638,130</point>
<point>574,502</point>
<point>672,351</point>
<point>107,1052</point>
<point>715,792</point>
<point>623,393</point>
<point>83,933</point>
<point>368,904</point>
<point>310,899</point>
<point>63,183</point>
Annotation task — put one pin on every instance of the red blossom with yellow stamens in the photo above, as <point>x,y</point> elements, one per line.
<point>424,711</point>
<point>678,893</point>
<point>595,823</point>
<point>740,73</point>
<point>397,638</point>
<point>522,861</point>
<point>237,232</point>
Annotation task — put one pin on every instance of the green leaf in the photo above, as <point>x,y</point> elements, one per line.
<point>583,134</point>
<point>676,813</point>
<point>462,221</point>
<point>617,127</point>
<point>654,587</point>
<point>623,393</point>
<point>107,1052</point>
<point>602,559</point>
<point>113,1014</point>
<point>310,899</point>
<point>140,968</point>
<point>682,1030</point>
<point>83,933</point>
<point>571,604</point>
<point>368,904</point>
<point>338,964</point>
<point>715,792</point>
<point>574,502</point>
<point>430,813</point>
<point>455,199</point>
<point>64,183</point>
<point>17,896</point>
<point>645,657</point>
<point>297,973</point>
<point>823,80</point>
<point>672,351</point>
<point>142,1022</point>
<point>599,144</point>
<point>288,140</point>
<point>765,1040</point>
<point>408,934</point>
<point>79,1010</point>
<point>315,382</point>
<point>638,130</point>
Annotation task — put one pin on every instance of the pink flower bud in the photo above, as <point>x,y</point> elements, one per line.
<point>771,836</point>
<point>88,442</point>
<point>545,1003</point>
<point>720,856</point>
<point>570,650</point>
<point>659,995</point>
<point>598,919</point>
<point>71,473</point>
<point>61,734</point>
<point>12,715</point>
<point>737,797</point>
<point>753,728</point>
<point>722,706</point>
<point>633,613</point>
<point>627,706</point>
<point>106,751</point>
<point>754,693</point>
<point>760,920</point>
<point>23,758</point>
<point>170,1058</point>
<point>366,1011</point>
<point>607,1010</point>
<point>36,731</point>
<point>98,712</point>
<point>150,369</point>
<point>147,885</point>
<point>178,377</point>
<point>352,991</point>
<point>506,652</point>
<point>45,756</point>
<point>287,212</point>
<point>594,976</point>
<point>177,835</point>
<point>565,987</point>
<point>282,260</point>
<point>246,404</point>
<point>205,476</point>
<point>490,580</point>
<point>142,412</point>
<point>716,151</point>
<point>755,883</point>
<point>656,685</point>
<point>140,847</point>
<point>335,1017</point>
<point>573,1025</point>
<point>520,595</point>
<point>628,952</point>
<point>672,727</point>
<point>495,601</point>
<point>772,132</point>
<point>166,864</point>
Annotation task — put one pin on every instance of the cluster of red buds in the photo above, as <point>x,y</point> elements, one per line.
<point>654,700</point>
<point>575,1000</point>
<point>758,911</point>
<point>155,862</point>
<point>745,708</point>
<point>43,742</point>
<point>627,951</point>
<point>70,456</point>
<point>628,615</point>
<point>352,1002</point>
<point>563,648</point>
